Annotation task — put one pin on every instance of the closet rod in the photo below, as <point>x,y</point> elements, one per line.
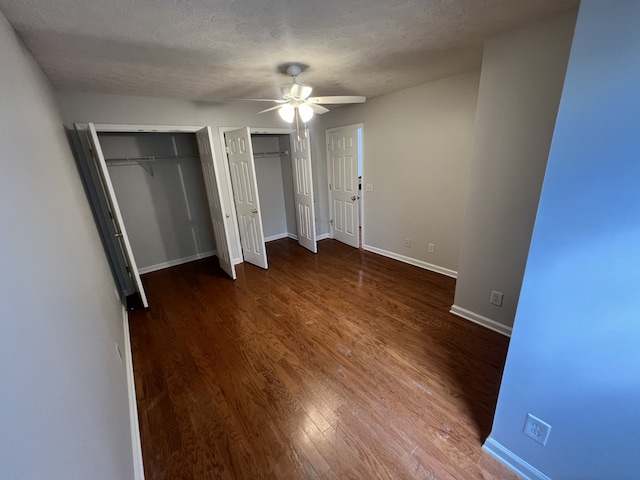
<point>150,158</point>
<point>270,154</point>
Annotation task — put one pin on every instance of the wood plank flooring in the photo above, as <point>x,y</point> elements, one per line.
<point>340,365</point>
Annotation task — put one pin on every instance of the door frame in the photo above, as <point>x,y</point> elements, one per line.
<point>227,172</point>
<point>361,192</point>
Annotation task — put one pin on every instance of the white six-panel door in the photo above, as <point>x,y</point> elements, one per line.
<point>121,233</point>
<point>303,194</point>
<point>245,194</point>
<point>219,217</point>
<point>342,153</point>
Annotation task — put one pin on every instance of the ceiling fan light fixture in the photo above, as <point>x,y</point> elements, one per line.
<point>287,112</point>
<point>306,112</point>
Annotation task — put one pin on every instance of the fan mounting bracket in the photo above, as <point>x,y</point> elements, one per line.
<point>294,70</point>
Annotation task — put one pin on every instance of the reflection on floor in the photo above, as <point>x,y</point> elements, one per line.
<point>343,364</point>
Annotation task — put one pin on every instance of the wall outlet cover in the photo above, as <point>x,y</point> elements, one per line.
<point>496,298</point>
<point>537,429</point>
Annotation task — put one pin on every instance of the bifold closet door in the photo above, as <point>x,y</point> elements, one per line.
<point>120,237</point>
<point>245,194</point>
<point>219,217</point>
<point>303,194</point>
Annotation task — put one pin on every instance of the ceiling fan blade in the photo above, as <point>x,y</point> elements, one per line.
<point>319,109</point>
<point>269,109</point>
<point>338,99</point>
<point>259,100</point>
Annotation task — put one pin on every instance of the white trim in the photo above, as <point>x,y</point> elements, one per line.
<point>513,461</point>
<point>322,237</point>
<point>412,261</point>
<point>351,125</point>
<point>276,237</point>
<point>129,128</point>
<point>178,261</point>
<point>480,320</point>
<point>237,260</point>
<point>293,236</point>
<point>124,128</point>
<point>138,466</point>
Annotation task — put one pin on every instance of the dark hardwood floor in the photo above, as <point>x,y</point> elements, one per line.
<point>340,365</point>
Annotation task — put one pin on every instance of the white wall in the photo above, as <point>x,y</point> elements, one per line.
<point>573,359</point>
<point>270,186</point>
<point>99,108</point>
<point>165,209</point>
<point>64,407</point>
<point>520,85</point>
<point>417,153</point>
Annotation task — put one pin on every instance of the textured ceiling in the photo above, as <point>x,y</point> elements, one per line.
<point>216,50</point>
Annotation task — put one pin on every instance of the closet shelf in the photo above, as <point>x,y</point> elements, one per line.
<point>144,162</point>
<point>269,154</point>
<point>150,158</point>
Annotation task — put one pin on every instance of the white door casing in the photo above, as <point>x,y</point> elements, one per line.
<point>219,218</point>
<point>121,234</point>
<point>342,156</point>
<point>245,195</point>
<point>303,193</point>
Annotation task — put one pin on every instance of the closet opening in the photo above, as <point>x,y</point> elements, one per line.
<point>271,180</point>
<point>159,184</point>
<point>157,198</point>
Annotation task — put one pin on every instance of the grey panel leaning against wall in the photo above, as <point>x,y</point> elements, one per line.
<point>163,201</point>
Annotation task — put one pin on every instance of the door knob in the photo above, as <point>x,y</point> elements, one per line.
<point>255,210</point>
<point>353,199</point>
<point>118,234</point>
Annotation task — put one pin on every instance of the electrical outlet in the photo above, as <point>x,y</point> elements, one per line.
<point>369,187</point>
<point>432,248</point>
<point>407,242</point>
<point>496,298</point>
<point>537,429</point>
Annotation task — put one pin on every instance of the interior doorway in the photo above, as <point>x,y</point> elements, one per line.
<point>345,165</point>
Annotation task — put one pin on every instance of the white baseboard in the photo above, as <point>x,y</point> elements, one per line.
<point>178,261</point>
<point>276,237</point>
<point>412,261</point>
<point>513,461</point>
<point>138,468</point>
<point>480,320</point>
<point>293,236</point>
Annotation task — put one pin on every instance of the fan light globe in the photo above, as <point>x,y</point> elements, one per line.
<point>306,112</point>
<point>287,113</point>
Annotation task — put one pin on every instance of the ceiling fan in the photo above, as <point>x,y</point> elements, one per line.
<point>296,102</point>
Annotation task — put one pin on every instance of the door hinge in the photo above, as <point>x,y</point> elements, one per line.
<point>330,186</point>
<point>226,149</point>
<point>331,221</point>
